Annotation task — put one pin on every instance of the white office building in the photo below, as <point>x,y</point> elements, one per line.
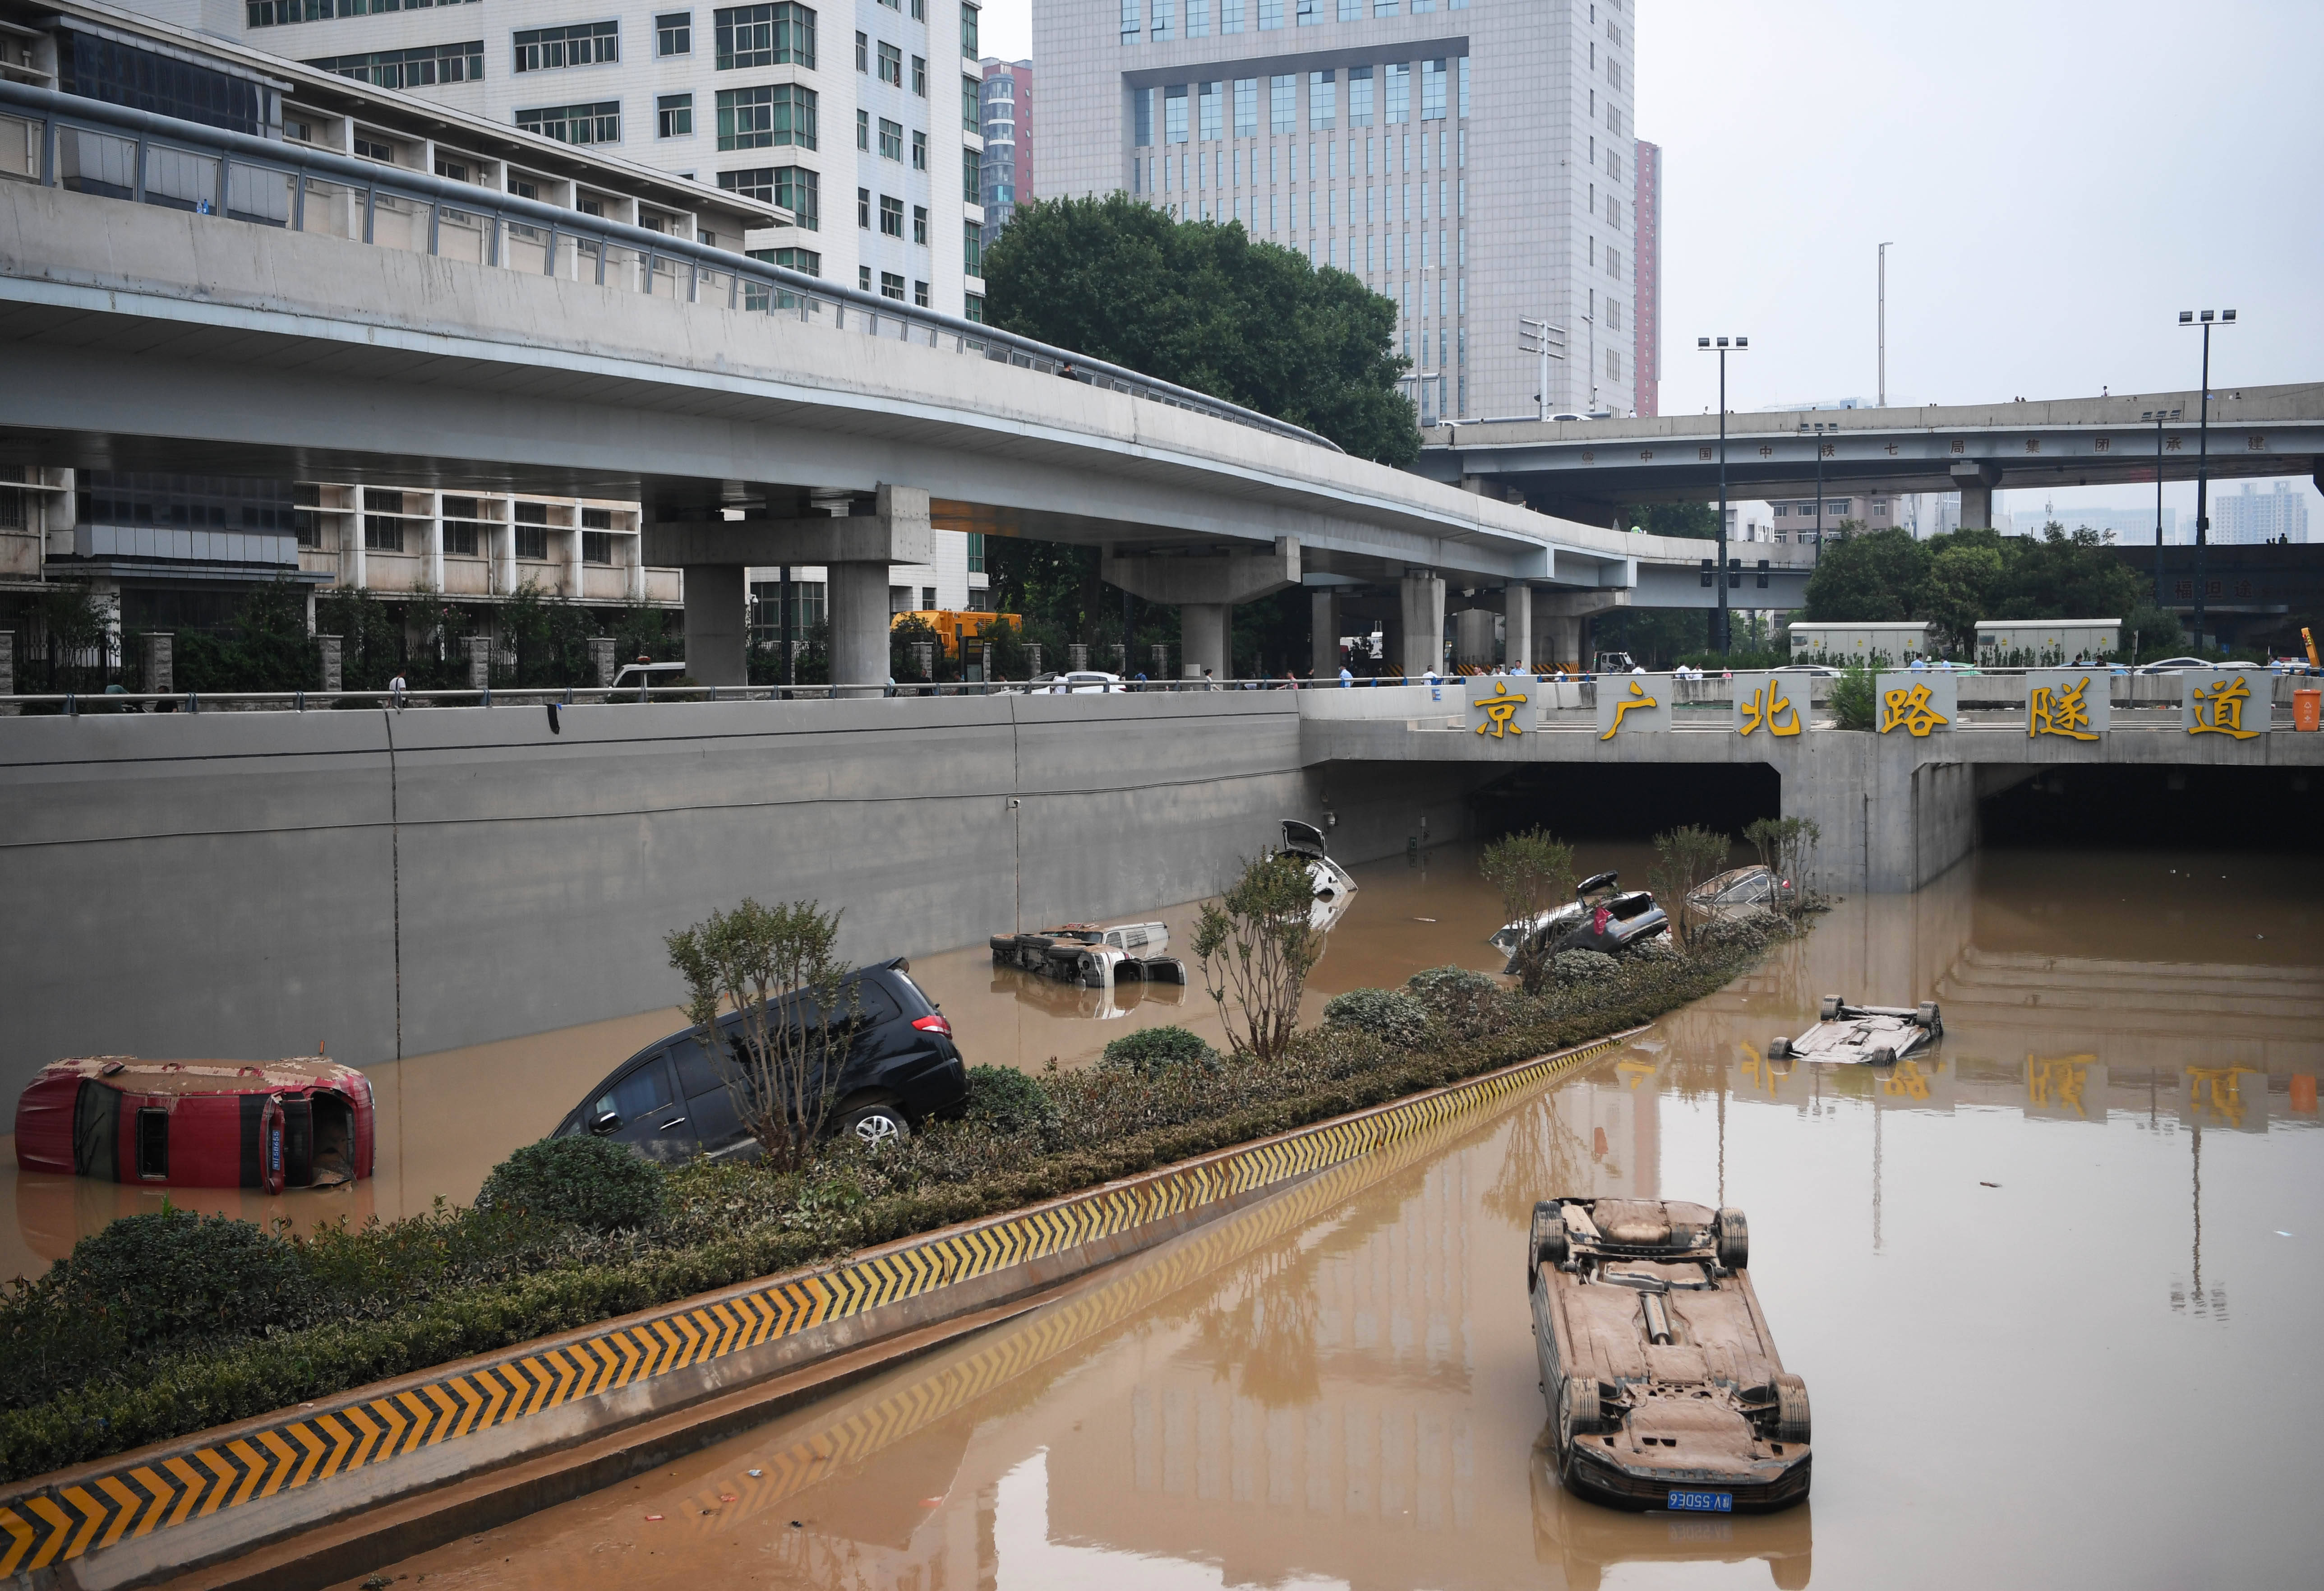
<point>1471,160</point>
<point>2276,511</point>
<point>861,119</point>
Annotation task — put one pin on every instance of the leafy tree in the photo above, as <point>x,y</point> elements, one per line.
<point>1202,305</point>
<point>371,636</point>
<point>1532,873</point>
<point>780,966</point>
<point>549,635</point>
<point>1786,847</point>
<point>1695,520</point>
<point>1683,858</point>
<point>268,647</point>
<point>2062,576</point>
<point>1964,577</point>
<point>1878,577</point>
<point>1853,698</point>
<point>1257,944</point>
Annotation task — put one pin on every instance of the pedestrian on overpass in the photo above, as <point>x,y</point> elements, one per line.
<point>395,690</point>
<point>1347,679</point>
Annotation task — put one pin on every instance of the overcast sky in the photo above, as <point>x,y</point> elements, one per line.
<point>2059,178</point>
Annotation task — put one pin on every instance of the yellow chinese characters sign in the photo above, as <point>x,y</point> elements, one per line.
<point>1632,702</point>
<point>2072,704</point>
<point>1501,710</point>
<point>1769,702</point>
<point>2221,701</point>
<point>1917,704</point>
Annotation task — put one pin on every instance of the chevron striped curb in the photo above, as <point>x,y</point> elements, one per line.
<point>67,1517</point>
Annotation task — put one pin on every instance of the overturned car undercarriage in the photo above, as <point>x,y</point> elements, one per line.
<point>1092,956</point>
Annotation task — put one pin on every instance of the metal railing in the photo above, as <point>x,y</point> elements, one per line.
<point>93,703</point>
<point>153,159</point>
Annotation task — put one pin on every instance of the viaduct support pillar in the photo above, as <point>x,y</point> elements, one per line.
<point>1517,626</point>
<point>1975,482</point>
<point>1205,588</point>
<point>1324,632</point>
<point>857,550</point>
<point>1565,614</point>
<point>1423,636</point>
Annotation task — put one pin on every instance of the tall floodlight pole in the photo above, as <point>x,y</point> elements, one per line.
<point>2158,509</point>
<point>1739,345</point>
<point>1819,448</point>
<point>1884,324</point>
<point>2202,455</point>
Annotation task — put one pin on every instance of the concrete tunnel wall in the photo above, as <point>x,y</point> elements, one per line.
<point>243,885</point>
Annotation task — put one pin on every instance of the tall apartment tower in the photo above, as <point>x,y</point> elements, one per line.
<point>1472,160</point>
<point>1647,349</point>
<point>1008,139</point>
<point>2248,517</point>
<point>862,118</point>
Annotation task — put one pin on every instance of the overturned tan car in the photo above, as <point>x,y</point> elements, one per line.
<point>1664,1387</point>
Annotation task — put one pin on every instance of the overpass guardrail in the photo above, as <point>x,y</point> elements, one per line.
<point>212,171</point>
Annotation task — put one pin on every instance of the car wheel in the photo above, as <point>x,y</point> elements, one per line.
<point>1549,1243</point>
<point>1790,1410</point>
<point>1734,1240</point>
<point>1927,1017</point>
<point>1777,1049</point>
<point>1580,1410</point>
<point>1828,1010</point>
<point>876,1124</point>
<point>1884,1055</point>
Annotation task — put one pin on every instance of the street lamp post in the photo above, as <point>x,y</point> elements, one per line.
<point>1705,345</point>
<point>1819,453</point>
<point>1540,337</point>
<point>1884,323</point>
<point>2159,594</point>
<point>2203,455</point>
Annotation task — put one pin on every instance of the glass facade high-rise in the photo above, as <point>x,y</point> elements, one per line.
<point>1008,139</point>
<point>1647,338</point>
<point>1474,161</point>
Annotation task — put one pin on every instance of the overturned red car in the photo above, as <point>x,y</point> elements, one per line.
<point>300,1123</point>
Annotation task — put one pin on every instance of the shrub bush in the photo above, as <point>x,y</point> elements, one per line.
<point>1460,999</point>
<point>587,1182</point>
<point>152,1277</point>
<point>1149,1050</point>
<point>1576,966</point>
<point>1009,1101</point>
<point>1390,1015</point>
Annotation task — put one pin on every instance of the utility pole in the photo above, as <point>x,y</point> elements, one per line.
<point>2158,509</point>
<point>1883,399</point>
<point>1539,337</point>
<point>1703,344</point>
<point>2202,457</point>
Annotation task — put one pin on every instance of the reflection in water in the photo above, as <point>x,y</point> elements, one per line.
<point>1583,1540</point>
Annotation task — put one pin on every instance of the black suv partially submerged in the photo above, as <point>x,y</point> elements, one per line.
<point>671,1102</point>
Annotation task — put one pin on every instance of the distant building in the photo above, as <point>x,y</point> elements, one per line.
<point>2250,516</point>
<point>2131,526</point>
<point>1008,101</point>
<point>1793,519</point>
<point>1646,348</point>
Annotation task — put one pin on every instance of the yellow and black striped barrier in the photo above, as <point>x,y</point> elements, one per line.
<point>50,1524</point>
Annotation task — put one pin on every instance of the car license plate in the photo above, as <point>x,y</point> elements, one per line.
<point>1702,1502</point>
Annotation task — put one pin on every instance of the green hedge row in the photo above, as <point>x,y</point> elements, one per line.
<point>395,1299</point>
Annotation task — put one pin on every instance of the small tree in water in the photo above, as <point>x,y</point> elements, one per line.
<point>1256,944</point>
<point>1786,847</point>
<point>1532,873</point>
<point>1683,858</point>
<point>779,966</point>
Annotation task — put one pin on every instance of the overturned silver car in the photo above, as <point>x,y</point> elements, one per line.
<point>1333,886</point>
<point>1092,956</point>
<point>1863,1035</point>
<point>1603,917</point>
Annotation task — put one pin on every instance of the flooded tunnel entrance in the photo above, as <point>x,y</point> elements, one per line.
<point>1627,801</point>
<point>2083,807</point>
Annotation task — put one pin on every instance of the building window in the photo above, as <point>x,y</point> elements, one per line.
<point>746,119</point>
<point>1323,102</point>
<point>1131,14</point>
<point>920,297</point>
<point>674,116</point>
<point>382,531</point>
<point>1432,91</point>
<point>891,218</point>
<point>805,261</point>
<point>863,130</point>
<point>1283,102</point>
<point>1400,94</point>
<point>1270,14</point>
<point>892,286</point>
<point>588,43</point>
<point>973,310</point>
<point>972,251</point>
<point>764,35</point>
<point>600,123</point>
<point>864,278</point>
<point>1246,107</point>
<point>892,140</point>
<point>1211,100</point>
<point>596,545</point>
<point>1614,263</point>
<point>862,52</point>
<point>674,33</point>
<point>1174,114</point>
<point>892,65</point>
<point>1165,19</point>
<point>863,216</point>
<point>920,224</point>
<point>920,75</point>
<point>1310,13</point>
<point>970,178</point>
<point>968,104</point>
<point>920,151</point>
<point>968,21</point>
<point>422,68</point>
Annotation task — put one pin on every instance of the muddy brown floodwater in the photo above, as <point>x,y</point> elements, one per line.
<point>436,1141</point>
<point>2055,1292</point>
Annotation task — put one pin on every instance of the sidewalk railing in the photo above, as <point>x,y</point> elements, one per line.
<point>111,149</point>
